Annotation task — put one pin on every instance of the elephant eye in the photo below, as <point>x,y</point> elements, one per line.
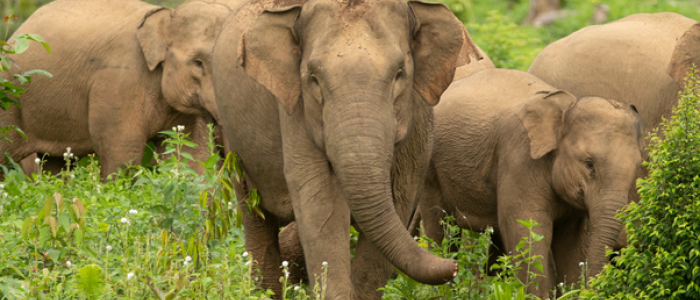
<point>400,74</point>
<point>399,84</point>
<point>591,168</point>
<point>199,65</point>
<point>315,88</point>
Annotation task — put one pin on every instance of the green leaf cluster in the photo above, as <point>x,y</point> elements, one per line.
<point>662,260</point>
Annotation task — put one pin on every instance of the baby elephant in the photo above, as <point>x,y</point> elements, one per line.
<point>510,147</point>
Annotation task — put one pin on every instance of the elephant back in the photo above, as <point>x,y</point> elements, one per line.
<point>624,60</point>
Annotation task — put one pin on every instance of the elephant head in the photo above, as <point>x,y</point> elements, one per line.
<point>685,55</point>
<point>181,41</point>
<point>354,71</point>
<point>596,151</point>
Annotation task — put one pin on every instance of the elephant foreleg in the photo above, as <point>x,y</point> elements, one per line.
<point>569,249</point>
<point>512,232</point>
<point>261,241</point>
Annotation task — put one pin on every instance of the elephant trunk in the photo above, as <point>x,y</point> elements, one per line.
<point>605,228</point>
<point>360,145</point>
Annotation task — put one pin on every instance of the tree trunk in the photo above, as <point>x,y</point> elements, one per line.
<point>539,7</point>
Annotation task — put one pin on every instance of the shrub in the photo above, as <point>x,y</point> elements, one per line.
<point>662,260</point>
<point>508,45</point>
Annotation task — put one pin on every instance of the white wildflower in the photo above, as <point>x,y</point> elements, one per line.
<point>37,160</point>
<point>188,258</point>
<point>72,176</point>
<point>71,155</point>
<point>125,221</point>
<point>286,274</point>
<point>133,211</point>
<point>4,195</point>
<point>325,264</point>
<point>180,128</point>
<point>130,275</point>
<point>581,264</point>
<point>2,186</point>
<point>490,229</point>
<point>247,264</point>
<point>109,247</point>
<point>285,264</point>
<point>174,128</point>
<point>68,263</point>
<point>296,287</point>
<point>245,254</point>
<point>68,149</point>
<point>561,284</point>
<point>186,263</point>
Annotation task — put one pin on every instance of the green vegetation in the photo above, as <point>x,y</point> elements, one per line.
<point>162,231</point>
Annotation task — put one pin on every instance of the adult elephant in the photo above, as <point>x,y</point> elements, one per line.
<point>641,59</point>
<point>328,105</point>
<point>123,71</point>
<point>510,147</point>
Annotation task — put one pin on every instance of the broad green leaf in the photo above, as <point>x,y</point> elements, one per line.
<point>53,225</point>
<point>78,236</point>
<point>64,221</point>
<point>27,226</point>
<point>21,45</point>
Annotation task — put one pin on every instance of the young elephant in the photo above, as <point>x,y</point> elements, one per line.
<point>510,147</point>
<point>329,106</point>
<point>123,71</point>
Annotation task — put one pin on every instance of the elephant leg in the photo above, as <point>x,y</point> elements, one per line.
<point>28,165</point>
<point>323,221</point>
<point>118,128</point>
<point>119,150</point>
<point>292,252</point>
<point>431,223</point>
<point>569,249</point>
<point>370,270</point>
<point>261,240</point>
<point>513,232</point>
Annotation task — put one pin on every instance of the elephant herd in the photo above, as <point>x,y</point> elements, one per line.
<point>371,113</point>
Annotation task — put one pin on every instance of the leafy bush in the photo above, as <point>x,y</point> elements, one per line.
<point>662,260</point>
<point>9,90</point>
<point>472,281</point>
<point>508,45</point>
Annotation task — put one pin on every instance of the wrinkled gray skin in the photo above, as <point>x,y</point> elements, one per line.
<point>328,105</point>
<point>123,71</point>
<point>641,59</point>
<point>510,147</point>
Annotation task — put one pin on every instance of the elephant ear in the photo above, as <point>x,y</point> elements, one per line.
<point>270,54</point>
<point>686,53</point>
<point>543,116</point>
<point>151,35</point>
<point>440,44</point>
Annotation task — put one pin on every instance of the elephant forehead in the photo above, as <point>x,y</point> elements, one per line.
<point>599,115</point>
<point>349,14</point>
<point>198,20</point>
